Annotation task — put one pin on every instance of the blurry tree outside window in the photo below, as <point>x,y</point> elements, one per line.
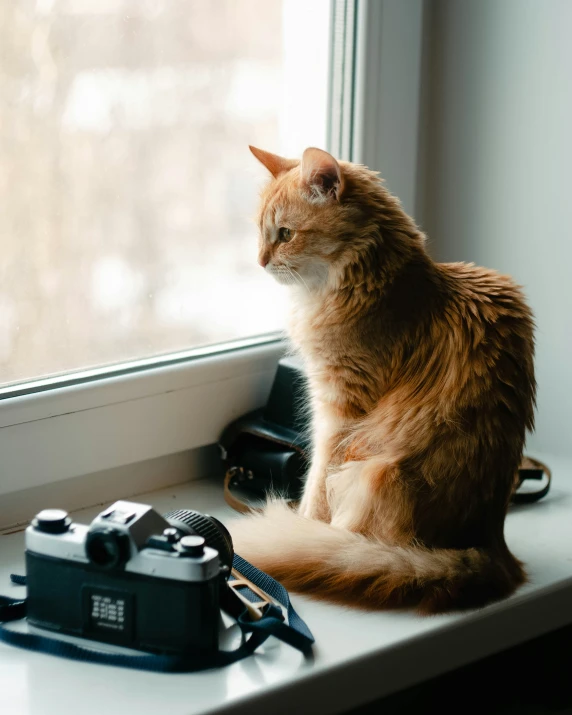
<point>127,190</point>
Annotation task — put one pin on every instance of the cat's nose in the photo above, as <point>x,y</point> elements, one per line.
<point>264,260</point>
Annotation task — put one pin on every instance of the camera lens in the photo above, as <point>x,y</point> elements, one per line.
<point>107,548</point>
<point>213,532</point>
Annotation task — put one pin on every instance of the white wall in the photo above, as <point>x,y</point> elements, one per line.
<point>495,185</point>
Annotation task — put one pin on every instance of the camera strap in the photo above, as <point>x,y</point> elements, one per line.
<point>294,632</point>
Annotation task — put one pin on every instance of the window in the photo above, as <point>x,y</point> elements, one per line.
<point>127,250</point>
<point>126,185</point>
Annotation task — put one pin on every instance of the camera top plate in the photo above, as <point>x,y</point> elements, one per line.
<point>134,524</point>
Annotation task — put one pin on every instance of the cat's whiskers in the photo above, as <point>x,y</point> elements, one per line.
<point>285,271</point>
<point>291,276</point>
<point>282,274</point>
<point>300,279</point>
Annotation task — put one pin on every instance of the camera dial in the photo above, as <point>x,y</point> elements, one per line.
<point>171,535</point>
<point>107,548</point>
<point>215,534</point>
<point>192,546</point>
<point>52,521</point>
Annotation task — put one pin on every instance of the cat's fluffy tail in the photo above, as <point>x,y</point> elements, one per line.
<point>342,566</point>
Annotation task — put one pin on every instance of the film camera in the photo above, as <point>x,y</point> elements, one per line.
<point>131,578</point>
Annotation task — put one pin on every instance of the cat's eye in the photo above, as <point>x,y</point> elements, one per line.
<point>284,234</point>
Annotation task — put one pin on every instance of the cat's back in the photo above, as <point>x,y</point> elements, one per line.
<point>491,323</point>
<point>486,295</point>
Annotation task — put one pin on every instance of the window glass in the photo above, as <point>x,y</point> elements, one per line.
<point>127,190</point>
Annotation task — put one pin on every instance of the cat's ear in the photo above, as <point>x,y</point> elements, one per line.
<point>274,163</point>
<point>321,175</point>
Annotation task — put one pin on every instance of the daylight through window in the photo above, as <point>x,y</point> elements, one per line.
<point>127,190</point>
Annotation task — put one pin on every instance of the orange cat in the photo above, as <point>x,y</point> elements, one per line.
<point>422,386</point>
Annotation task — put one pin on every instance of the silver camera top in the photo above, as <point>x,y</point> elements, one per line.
<point>128,536</point>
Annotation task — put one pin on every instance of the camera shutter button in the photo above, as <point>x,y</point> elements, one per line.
<point>52,521</point>
<point>171,534</point>
<point>192,546</point>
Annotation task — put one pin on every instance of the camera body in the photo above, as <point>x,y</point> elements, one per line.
<point>131,578</point>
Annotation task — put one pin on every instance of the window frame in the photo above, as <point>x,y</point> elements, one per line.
<point>77,424</point>
<point>92,425</point>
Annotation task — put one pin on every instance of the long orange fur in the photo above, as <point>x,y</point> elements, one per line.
<point>422,387</point>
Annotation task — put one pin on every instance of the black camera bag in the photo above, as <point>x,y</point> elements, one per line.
<point>268,450</point>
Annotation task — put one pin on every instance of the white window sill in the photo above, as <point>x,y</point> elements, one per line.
<point>158,407</point>
<point>358,656</point>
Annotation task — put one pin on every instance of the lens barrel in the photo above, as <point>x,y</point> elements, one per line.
<point>214,533</point>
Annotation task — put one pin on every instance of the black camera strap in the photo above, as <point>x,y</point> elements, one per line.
<point>295,632</point>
